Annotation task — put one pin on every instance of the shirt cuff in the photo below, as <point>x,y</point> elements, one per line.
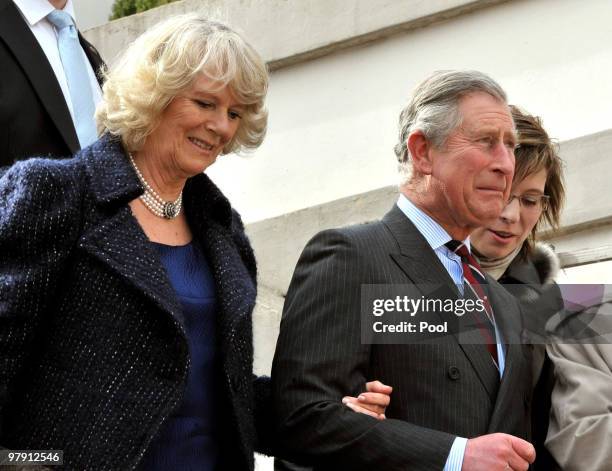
<point>455,457</point>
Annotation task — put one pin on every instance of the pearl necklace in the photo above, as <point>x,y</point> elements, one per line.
<point>153,202</point>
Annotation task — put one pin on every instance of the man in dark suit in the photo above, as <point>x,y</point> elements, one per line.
<point>455,405</point>
<point>35,117</point>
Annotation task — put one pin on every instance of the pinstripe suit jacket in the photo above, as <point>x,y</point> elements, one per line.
<point>440,391</point>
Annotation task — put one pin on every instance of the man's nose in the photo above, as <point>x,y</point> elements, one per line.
<point>504,159</point>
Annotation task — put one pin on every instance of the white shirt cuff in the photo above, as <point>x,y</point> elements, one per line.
<point>455,457</point>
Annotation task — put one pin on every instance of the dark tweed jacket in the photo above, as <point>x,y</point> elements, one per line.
<point>93,351</point>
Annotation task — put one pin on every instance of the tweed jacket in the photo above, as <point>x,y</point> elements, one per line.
<point>93,350</point>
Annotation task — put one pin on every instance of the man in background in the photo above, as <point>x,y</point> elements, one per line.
<point>50,81</point>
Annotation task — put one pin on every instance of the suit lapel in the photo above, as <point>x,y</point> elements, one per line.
<point>416,258</point>
<point>119,242</point>
<point>113,236</point>
<point>481,360</point>
<point>18,37</point>
<point>210,218</point>
<point>508,319</point>
<point>422,266</point>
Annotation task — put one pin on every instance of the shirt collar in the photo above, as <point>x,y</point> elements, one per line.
<point>433,232</point>
<point>37,10</point>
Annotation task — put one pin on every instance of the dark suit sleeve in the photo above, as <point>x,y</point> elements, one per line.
<point>37,224</point>
<point>319,359</point>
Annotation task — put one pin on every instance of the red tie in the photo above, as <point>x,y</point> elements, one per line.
<point>474,276</point>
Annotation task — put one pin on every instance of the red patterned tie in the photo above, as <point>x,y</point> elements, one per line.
<point>474,276</point>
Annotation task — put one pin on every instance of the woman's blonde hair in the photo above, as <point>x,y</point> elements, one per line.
<point>164,61</point>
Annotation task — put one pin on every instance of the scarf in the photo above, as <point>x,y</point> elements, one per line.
<point>496,267</point>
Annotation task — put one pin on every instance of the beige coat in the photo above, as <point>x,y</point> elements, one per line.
<point>580,430</point>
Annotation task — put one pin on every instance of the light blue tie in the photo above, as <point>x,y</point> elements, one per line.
<point>75,69</point>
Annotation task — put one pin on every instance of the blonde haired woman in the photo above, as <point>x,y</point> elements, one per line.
<point>127,282</point>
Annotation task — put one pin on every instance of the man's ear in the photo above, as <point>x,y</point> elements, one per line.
<point>420,152</point>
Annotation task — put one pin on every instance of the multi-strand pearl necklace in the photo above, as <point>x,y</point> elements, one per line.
<point>153,202</point>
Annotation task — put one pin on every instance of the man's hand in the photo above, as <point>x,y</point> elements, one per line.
<point>374,402</point>
<point>498,452</point>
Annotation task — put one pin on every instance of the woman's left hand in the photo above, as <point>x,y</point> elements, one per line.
<point>373,402</point>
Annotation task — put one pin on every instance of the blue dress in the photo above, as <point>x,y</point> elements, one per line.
<point>188,439</point>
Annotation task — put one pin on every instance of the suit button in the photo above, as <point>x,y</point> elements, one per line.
<point>454,373</point>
